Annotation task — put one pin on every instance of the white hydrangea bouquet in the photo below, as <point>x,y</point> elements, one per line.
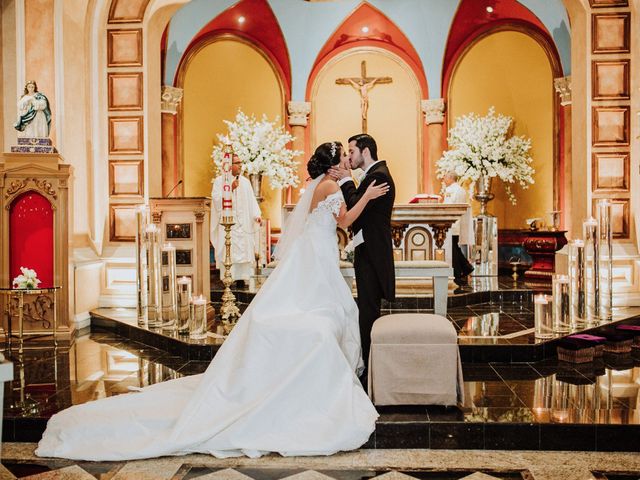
<point>483,146</point>
<point>262,147</point>
<point>28,279</point>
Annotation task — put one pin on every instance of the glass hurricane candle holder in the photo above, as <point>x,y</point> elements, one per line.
<point>184,304</point>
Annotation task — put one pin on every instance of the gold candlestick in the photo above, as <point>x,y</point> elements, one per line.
<point>229,309</point>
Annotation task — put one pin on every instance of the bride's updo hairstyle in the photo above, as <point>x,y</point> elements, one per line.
<point>326,156</point>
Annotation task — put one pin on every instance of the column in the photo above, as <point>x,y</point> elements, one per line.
<point>433,110</point>
<point>298,121</point>
<point>171,171</point>
<point>563,181</point>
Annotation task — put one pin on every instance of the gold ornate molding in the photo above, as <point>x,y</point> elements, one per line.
<point>299,113</point>
<point>433,110</point>
<point>562,86</point>
<point>171,97</point>
<point>43,185</point>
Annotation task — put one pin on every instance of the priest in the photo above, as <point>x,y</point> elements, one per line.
<point>461,231</point>
<point>247,218</point>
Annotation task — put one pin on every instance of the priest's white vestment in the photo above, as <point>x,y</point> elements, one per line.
<point>246,212</point>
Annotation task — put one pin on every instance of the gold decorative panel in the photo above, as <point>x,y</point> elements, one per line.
<point>610,126</point>
<point>122,220</point>
<point>610,172</point>
<point>125,178</point>
<point>125,135</point>
<point>124,48</point>
<point>127,11</point>
<point>610,33</point>
<point>125,91</point>
<point>610,80</point>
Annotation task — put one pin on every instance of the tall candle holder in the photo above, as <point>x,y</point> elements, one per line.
<point>542,316</point>
<point>142,221</point>
<point>169,300</point>
<point>561,303</point>
<point>592,270</point>
<point>198,325</point>
<point>154,280</point>
<point>229,310</point>
<point>184,304</point>
<point>577,286</point>
<point>605,260</point>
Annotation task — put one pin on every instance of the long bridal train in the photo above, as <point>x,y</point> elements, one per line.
<point>284,381</point>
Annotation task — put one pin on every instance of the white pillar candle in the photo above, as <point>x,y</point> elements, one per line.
<point>577,287</point>
<point>561,303</point>
<point>154,276</point>
<point>605,260</point>
<point>142,221</point>
<point>227,180</point>
<point>184,304</point>
<point>591,256</point>
<point>169,300</point>
<point>198,325</point>
<point>542,316</point>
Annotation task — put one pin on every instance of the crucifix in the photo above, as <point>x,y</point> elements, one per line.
<point>363,84</point>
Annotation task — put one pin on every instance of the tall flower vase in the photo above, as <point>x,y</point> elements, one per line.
<point>485,228</point>
<point>483,193</point>
<point>256,185</point>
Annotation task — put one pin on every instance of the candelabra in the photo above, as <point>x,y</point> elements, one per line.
<point>229,309</point>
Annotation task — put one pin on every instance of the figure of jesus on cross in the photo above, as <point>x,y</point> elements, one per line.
<point>363,85</point>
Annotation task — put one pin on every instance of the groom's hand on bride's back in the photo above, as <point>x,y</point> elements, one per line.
<point>338,172</point>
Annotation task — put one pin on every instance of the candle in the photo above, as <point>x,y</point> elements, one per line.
<point>198,325</point>
<point>591,256</point>
<point>605,260</point>
<point>561,303</point>
<point>142,220</point>
<point>184,301</point>
<point>577,286</point>
<point>169,305</point>
<point>227,180</point>
<point>154,276</point>
<point>542,316</point>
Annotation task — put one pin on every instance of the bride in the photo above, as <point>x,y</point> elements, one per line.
<point>285,380</point>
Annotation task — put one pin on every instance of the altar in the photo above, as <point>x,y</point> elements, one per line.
<point>420,234</point>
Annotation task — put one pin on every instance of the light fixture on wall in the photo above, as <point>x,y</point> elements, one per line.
<point>365,29</point>
<point>241,20</point>
<point>489,9</point>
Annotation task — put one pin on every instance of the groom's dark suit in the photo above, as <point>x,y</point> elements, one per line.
<point>375,273</point>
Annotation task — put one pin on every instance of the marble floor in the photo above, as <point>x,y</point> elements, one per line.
<point>18,461</point>
<point>547,405</point>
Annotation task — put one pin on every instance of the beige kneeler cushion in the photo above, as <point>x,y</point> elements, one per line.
<point>414,360</point>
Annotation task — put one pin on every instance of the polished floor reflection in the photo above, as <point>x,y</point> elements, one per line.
<point>542,405</point>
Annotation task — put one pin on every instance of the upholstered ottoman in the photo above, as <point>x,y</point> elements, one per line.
<point>414,360</point>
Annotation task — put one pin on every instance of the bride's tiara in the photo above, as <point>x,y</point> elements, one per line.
<point>334,149</point>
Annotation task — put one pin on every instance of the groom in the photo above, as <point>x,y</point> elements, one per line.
<point>373,263</point>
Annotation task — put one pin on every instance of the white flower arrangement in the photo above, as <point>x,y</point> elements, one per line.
<point>482,146</point>
<point>262,147</point>
<point>28,279</point>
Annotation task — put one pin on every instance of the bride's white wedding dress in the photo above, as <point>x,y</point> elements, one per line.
<point>284,380</point>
